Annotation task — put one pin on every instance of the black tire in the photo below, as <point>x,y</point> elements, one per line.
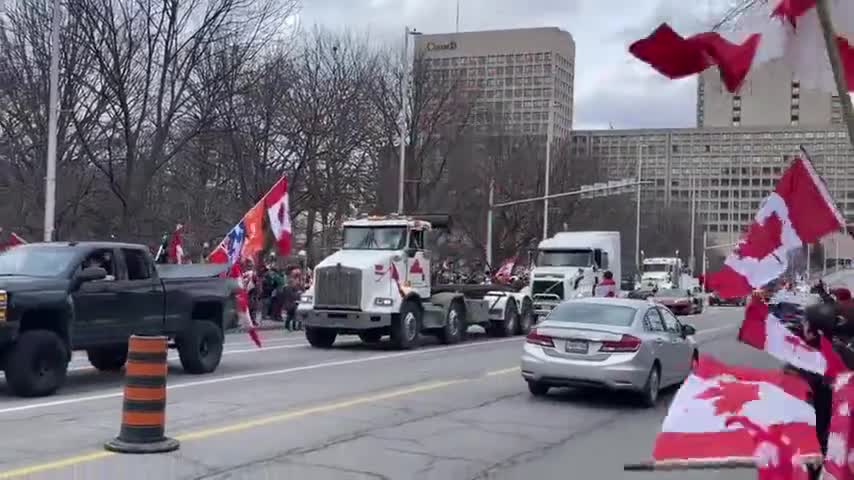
<point>320,337</point>
<point>506,327</point>
<point>455,323</point>
<point>406,326</point>
<point>526,319</point>
<point>37,364</point>
<point>108,359</point>
<point>371,336</point>
<point>649,395</point>
<point>538,389</point>
<point>200,348</point>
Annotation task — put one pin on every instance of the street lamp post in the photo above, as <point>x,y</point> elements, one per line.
<point>549,135</point>
<point>638,209</point>
<point>53,114</point>
<point>401,122</point>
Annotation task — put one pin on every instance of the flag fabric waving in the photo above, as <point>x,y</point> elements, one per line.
<point>762,330</point>
<point>230,249</point>
<point>776,459</point>
<point>696,423</point>
<point>839,459</point>
<point>783,29</point>
<point>13,241</point>
<point>276,203</point>
<point>799,211</point>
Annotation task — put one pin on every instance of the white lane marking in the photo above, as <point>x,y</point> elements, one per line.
<point>225,352</point>
<point>268,373</point>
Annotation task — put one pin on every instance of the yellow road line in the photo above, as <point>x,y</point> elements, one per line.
<point>249,424</point>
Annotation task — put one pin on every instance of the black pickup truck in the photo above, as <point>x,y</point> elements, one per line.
<point>56,298</point>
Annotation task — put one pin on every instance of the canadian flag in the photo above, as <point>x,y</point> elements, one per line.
<point>799,211</point>
<point>783,29</point>
<point>775,457</point>
<point>696,423</point>
<point>762,330</point>
<point>276,203</point>
<point>839,460</point>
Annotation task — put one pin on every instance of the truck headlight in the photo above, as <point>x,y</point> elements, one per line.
<point>383,302</point>
<point>306,299</point>
<point>4,297</point>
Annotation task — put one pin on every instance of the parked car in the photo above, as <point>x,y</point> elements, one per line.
<point>614,344</point>
<point>715,300</point>
<point>680,302</point>
<point>56,298</point>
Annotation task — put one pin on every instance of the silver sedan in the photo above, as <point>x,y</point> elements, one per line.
<point>610,343</point>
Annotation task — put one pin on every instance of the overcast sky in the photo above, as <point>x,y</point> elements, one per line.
<point>610,85</point>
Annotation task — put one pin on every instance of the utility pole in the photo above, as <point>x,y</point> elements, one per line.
<point>548,170</point>
<point>693,219</point>
<point>53,120</point>
<point>638,211</point>
<point>489,220</point>
<point>401,122</point>
<point>829,33</point>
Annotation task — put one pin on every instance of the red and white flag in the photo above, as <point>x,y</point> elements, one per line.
<point>782,29</point>
<point>799,211</point>
<point>696,423</point>
<point>762,330</point>
<point>276,203</point>
<point>839,460</point>
<point>775,458</point>
<point>176,246</point>
<point>505,271</point>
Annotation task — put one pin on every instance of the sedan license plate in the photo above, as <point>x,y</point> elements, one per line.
<point>576,346</point>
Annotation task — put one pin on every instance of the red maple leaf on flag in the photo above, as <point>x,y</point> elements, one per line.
<point>762,239</point>
<point>730,396</point>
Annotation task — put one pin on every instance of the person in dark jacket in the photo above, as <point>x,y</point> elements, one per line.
<point>290,298</point>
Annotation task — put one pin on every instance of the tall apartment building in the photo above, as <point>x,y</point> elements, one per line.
<point>770,97</point>
<point>731,168</point>
<point>524,77</point>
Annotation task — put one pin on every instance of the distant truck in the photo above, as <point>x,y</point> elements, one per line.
<point>56,298</point>
<point>663,273</point>
<point>379,284</point>
<point>570,264</point>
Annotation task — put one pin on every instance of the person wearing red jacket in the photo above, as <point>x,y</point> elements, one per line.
<point>607,287</point>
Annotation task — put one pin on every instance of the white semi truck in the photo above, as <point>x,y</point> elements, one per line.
<point>660,272</point>
<point>570,264</point>
<point>379,284</point>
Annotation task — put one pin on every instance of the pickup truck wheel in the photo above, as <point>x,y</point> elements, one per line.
<point>406,327</point>
<point>455,323</point>
<point>37,364</point>
<point>108,359</point>
<point>506,327</point>
<point>320,337</point>
<point>200,349</point>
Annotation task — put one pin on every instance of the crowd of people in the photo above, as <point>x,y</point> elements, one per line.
<point>274,292</point>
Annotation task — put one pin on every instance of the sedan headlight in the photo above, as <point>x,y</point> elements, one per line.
<point>306,299</point>
<point>4,297</point>
<point>383,302</point>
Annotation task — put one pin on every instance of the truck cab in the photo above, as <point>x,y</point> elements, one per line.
<point>570,264</point>
<point>379,284</point>
<point>663,273</point>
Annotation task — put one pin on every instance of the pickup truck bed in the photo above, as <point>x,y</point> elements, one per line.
<point>92,296</point>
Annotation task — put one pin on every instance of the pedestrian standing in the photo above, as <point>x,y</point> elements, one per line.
<point>290,298</point>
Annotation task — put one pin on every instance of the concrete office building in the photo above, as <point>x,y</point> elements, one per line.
<point>518,75</point>
<point>733,168</point>
<point>770,97</point>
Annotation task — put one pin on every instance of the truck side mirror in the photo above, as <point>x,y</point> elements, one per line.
<point>89,274</point>
<point>410,252</point>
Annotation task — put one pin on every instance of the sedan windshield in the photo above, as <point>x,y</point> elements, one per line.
<point>673,292</point>
<point>593,313</point>
<point>36,261</point>
<point>565,258</point>
<point>374,238</point>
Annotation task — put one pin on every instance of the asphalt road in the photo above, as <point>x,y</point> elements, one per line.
<point>290,411</point>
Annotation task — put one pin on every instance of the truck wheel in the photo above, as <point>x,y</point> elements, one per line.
<point>37,364</point>
<point>108,359</point>
<point>455,323</point>
<point>406,327</point>
<point>371,336</point>
<point>526,319</point>
<point>506,327</point>
<point>200,348</point>
<point>320,337</point>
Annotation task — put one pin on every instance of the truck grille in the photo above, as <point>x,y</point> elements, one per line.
<point>550,287</point>
<point>338,287</point>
